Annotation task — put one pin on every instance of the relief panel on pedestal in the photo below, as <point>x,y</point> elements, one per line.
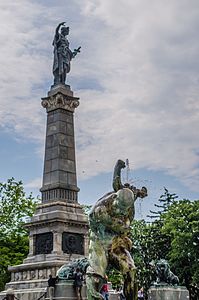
<point>73,243</point>
<point>43,243</point>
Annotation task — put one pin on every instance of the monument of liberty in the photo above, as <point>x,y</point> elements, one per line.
<point>58,231</point>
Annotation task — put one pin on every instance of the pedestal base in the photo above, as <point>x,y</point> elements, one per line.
<point>168,293</point>
<point>64,290</point>
<point>27,294</point>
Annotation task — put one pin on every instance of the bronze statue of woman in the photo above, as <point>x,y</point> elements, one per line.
<point>62,54</point>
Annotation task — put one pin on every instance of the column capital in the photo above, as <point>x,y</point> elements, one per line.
<point>60,100</point>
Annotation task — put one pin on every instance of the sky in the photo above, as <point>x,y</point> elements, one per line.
<point>137,77</point>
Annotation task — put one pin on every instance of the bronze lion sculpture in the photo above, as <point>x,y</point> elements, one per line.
<point>164,274</point>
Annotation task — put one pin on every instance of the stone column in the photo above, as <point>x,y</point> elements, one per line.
<point>31,245</point>
<point>59,177</point>
<point>86,245</point>
<point>59,221</point>
<point>57,242</point>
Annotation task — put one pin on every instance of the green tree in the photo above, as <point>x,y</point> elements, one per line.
<point>174,235</point>
<point>165,201</point>
<point>150,243</point>
<point>86,208</point>
<point>181,222</point>
<point>15,206</point>
<point>141,252</point>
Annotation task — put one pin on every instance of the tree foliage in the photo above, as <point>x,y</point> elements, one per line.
<point>15,206</point>
<point>86,208</point>
<point>173,235</point>
<point>182,223</point>
<point>164,202</point>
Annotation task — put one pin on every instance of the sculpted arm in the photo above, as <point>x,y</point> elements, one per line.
<point>57,32</point>
<point>57,28</point>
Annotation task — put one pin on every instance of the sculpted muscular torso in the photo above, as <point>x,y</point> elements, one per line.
<point>110,220</point>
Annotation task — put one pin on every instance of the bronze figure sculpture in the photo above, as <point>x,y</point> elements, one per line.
<point>110,220</point>
<point>164,274</point>
<point>62,54</point>
<point>66,272</point>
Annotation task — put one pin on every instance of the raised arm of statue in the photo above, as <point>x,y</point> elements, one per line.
<point>117,183</point>
<point>57,29</point>
<point>56,37</point>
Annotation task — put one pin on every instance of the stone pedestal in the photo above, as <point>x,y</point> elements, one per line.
<point>58,231</point>
<point>168,293</point>
<point>59,178</point>
<point>64,290</point>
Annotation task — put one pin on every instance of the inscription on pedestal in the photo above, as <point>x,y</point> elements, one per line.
<point>73,243</point>
<point>44,243</point>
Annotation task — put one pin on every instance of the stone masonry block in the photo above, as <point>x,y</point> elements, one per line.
<point>72,179</point>
<point>55,140</point>
<point>70,141</point>
<point>62,127</point>
<point>47,166</point>
<point>63,177</point>
<point>46,179</point>
<point>69,129</point>
<point>59,139</point>
<point>52,128</point>
<point>67,165</point>
<point>71,153</point>
<point>63,140</point>
<point>49,141</point>
<point>50,117</point>
<point>52,153</point>
<point>56,115</point>
<point>62,115</point>
<point>63,152</point>
<point>55,164</point>
<point>54,177</point>
<point>66,116</point>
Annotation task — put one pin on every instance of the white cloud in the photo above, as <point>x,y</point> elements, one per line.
<point>142,60</point>
<point>148,109</point>
<point>33,184</point>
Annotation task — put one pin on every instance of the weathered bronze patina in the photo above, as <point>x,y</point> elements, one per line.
<point>110,220</point>
<point>62,54</point>
<point>164,274</point>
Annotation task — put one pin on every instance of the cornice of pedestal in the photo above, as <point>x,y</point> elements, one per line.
<point>60,99</point>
